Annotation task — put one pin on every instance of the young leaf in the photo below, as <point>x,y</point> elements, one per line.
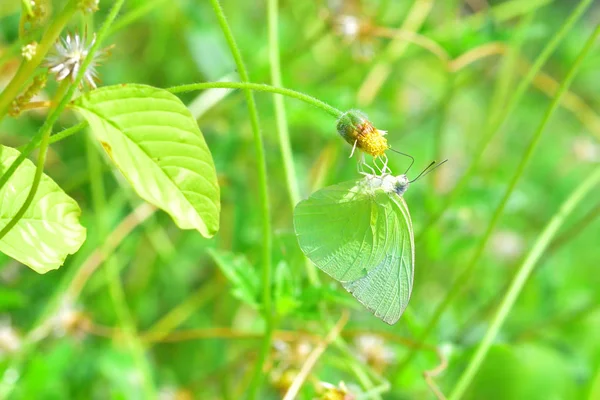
<point>241,274</point>
<point>49,230</point>
<point>154,140</point>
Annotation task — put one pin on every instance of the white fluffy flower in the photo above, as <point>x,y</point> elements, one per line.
<point>67,58</point>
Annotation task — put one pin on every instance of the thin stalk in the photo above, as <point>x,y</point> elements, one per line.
<point>467,272</point>
<point>178,89</point>
<point>559,241</point>
<point>61,101</point>
<point>134,15</point>
<point>259,87</point>
<point>39,170</point>
<point>27,149</point>
<point>519,281</point>
<point>497,124</point>
<point>178,315</point>
<point>266,275</point>
<point>111,270</point>
<point>28,66</point>
<point>283,134</point>
<point>377,76</point>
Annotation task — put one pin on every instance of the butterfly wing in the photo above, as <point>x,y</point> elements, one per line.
<point>386,288</point>
<point>364,240</point>
<point>340,231</point>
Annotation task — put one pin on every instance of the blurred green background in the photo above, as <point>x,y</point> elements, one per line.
<point>194,301</point>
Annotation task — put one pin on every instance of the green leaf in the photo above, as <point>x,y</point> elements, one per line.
<point>361,235</point>
<point>241,274</point>
<point>154,140</point>
<point>49,230</point>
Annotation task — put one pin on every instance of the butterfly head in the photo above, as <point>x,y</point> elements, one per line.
<point>400,185</point>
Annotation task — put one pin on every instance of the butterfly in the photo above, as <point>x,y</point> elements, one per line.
<point>360,233</point>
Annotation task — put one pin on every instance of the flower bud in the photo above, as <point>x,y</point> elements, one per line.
<point>39,83</point>
<point>29,51</point>
<point>357,130</point>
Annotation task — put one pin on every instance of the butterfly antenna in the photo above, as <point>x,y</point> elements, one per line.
<point>433,165</point>
<point>412,159</point>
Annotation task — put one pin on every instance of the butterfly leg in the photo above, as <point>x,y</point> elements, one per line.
<point>353,148</point>
<point>362,163</point>
<point>386,169</point>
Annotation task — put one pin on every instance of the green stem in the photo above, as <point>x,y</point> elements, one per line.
<point>466,274</point>
<point>259,87</point>
<point>264,200</point>
<point>134,15</point>
<point>39,170</point>
<point>28,66</point>
<point>46,129</point>
<point>283,134</point>
<point>519,281</point>
<point>26,151</point>
<point>497,123</point>
<point>32,145</point>
<point>282,128</point>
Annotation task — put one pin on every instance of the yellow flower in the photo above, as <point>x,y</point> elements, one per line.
<point>360,133</point>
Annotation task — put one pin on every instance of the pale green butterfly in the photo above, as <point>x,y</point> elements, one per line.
<point>360,233</point>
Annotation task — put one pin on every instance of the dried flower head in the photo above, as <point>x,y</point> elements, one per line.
<point>40,10</point>
<point>373,351</point>
<point>347,26</point>
<point>333,392</point>
<point>586,149</point>
<point>359,132</point>
<point>67,58</point>
<point>10,341</point>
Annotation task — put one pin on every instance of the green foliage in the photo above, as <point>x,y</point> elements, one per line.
<point>243,277</point>
<point>524,372</point>
<point>145,309</point>
<point>50,229</point>
<point>153,139</point>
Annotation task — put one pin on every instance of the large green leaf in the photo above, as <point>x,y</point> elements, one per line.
<point>155,142</point>
<point>49,230</point>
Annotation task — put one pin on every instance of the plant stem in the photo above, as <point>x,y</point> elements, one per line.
<point>283,134</point>
<point>111,270</point>
<point>39,170</point>
<point>61,101</point>
<point>264,200</point>
<point>465,275</point>
<point>134,15</point>
<point>519,281</point>
<point>496,124</point>
<point>260,87</point>
<point>27,149</point>
<point>28,66</point>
